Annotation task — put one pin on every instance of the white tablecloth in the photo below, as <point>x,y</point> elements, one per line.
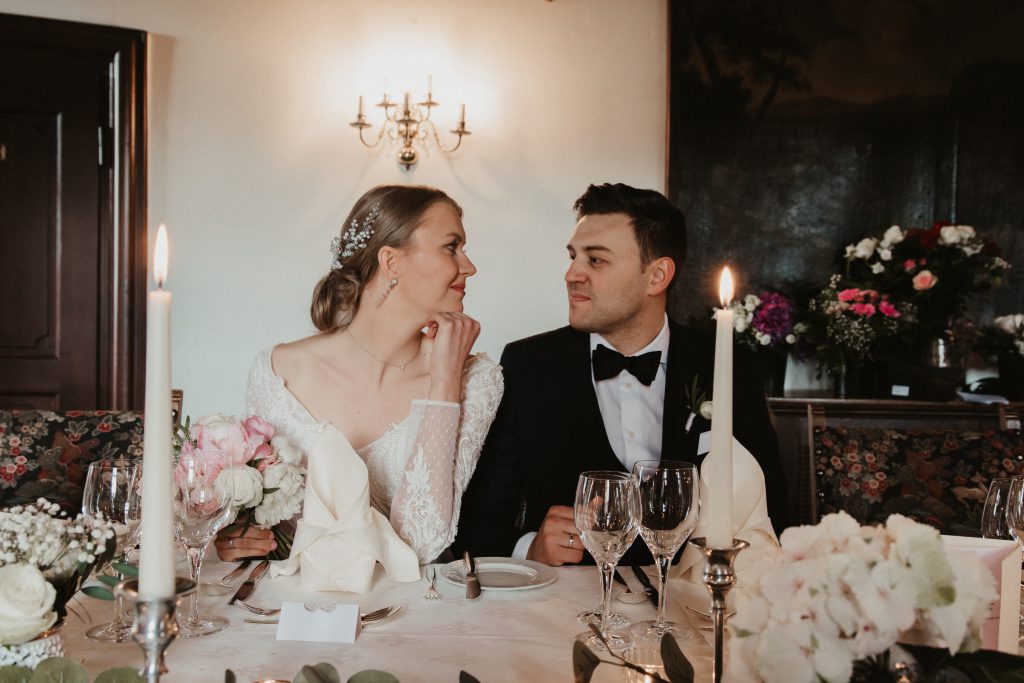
<point>522,635</point>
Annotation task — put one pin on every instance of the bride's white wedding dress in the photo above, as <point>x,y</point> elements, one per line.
<point>420,467</point>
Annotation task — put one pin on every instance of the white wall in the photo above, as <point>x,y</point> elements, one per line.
<point>252,165</point>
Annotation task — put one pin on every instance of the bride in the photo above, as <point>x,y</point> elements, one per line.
<point>390,369</point>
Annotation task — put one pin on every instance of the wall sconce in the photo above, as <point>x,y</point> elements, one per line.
<point>410,124</point>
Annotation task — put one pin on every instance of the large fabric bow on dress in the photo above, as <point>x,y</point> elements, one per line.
<point>341,538</point>
<point>749,517</point>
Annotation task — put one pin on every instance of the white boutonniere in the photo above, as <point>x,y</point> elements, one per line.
<point>696,403</point>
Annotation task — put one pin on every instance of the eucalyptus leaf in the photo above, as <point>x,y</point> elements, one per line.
<point>98,592</point>
<point>109,580</point>
<point>467,678</point>
<point>371,676</point>
<point>15,674</point>
<point>318,673</point>
<point>583,662</point>
<point>122,674</point>
<point>677,666</point>
<point>60,670</point>
<point>130,571</point>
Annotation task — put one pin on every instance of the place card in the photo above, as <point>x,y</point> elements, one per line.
<point>1002,558</point>
<point>339,624</point>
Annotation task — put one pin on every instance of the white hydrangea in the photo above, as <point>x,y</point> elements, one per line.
<point>838,592</point>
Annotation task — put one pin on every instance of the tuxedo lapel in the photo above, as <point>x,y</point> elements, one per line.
<point>595,451</point>
<point>683,365</point>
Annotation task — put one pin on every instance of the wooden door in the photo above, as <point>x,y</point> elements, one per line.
<point>72,234</point>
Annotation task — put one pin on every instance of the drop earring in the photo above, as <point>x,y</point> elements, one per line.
<point>387,289</point>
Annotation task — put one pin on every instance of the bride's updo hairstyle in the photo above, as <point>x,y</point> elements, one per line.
<point>385,216</point>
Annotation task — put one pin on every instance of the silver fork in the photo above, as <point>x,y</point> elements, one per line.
<point>432,593</point>
<point>256,610</point>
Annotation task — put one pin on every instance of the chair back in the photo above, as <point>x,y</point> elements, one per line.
<point>935,476</point>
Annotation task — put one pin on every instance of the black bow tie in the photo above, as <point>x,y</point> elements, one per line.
<point>609,363</point>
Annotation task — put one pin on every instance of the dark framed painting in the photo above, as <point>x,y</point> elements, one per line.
<point>797,127</point>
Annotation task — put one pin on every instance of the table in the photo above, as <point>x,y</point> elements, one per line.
<point>502,636</point>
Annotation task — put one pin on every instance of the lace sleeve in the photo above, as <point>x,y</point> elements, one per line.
<point>445,443</point>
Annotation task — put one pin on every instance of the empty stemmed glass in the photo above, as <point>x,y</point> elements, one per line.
<point>606,515</point>
<point>993,516</point>
<point>1015,520</point>
<point>202,505</point>
<point>110,493</point>
<point>669,501</point>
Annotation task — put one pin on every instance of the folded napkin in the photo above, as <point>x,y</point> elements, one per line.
<point>750,519</point>
<point>341,538</point>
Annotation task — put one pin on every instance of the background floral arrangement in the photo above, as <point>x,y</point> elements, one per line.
<point>44,559</point>
<point>264,468</point>
<point>937,269</point>
<point>768,320</point>
<point>838,593</point>
<point>848,324</point>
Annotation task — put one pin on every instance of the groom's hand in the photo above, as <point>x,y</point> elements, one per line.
<point>552,544</point>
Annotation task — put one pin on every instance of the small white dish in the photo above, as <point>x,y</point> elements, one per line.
<point>501,573</point>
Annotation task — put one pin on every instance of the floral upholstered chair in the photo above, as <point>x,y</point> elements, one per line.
<point>45,454</point>
<point>938,477</point>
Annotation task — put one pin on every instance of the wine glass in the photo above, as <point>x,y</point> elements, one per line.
<point>1015,519</point>
<point>202,505</point>
<point>109,494</point>
<point>993,517</point>
<point>606,514</point>
<point>669,500</point>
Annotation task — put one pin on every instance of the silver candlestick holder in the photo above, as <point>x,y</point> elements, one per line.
<point>155,626</point>
<point>719,577</point>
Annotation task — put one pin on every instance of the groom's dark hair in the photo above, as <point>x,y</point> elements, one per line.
<point>659,227</point>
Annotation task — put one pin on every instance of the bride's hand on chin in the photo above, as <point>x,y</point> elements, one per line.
<point>452,336</point>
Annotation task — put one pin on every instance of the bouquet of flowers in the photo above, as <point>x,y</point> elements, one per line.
<point>836,596</point>
<point>264,468</point>
<point>765,321</point>
<point>44,559</point>
<point>936,269</point>
<point>852,323</point>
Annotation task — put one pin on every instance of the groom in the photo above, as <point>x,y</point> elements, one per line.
<point>621,384</point>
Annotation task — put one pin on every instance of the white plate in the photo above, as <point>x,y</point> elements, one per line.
<point>501,573</point>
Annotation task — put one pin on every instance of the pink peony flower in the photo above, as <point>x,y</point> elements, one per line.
<point>224,434</point>
<point>863,309</point>
<point>888,310</point>
<point>258,426</point>
<point>925,280</point>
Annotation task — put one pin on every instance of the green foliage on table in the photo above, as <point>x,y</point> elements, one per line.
<point>677,666</point>
<point>127,571</point>
<point>319,673</point>
<point>326,673</point>
<point>981,665</point>
<point>372,676</point>
<point>64,670</point>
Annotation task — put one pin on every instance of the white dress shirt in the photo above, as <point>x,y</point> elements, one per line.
<point>632,413</point>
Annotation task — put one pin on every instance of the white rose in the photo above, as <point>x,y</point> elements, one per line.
<point>26,603</point>
<point>948,234</point>
<point>865,248</point>
<point>286,450</point>
<point>894,235</point>
<point>705,410</point>
<point>247,483</point>
<point>877,268</point>
<point>791,339</point>
<point>740,323</point>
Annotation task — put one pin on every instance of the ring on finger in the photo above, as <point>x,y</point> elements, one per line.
<point>231,542</point>
<point>572,540</point>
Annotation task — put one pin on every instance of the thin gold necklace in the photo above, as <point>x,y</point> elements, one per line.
<point>400,366</point>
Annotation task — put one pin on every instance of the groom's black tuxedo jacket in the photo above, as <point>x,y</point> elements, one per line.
<point>549,429</point>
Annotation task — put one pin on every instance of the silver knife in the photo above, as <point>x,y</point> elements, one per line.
<point>652,592</point>
<point>472,582</point>
<point>249,585</point>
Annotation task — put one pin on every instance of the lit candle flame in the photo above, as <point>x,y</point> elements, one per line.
<point>725,289</point>
<point>160,257</point>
